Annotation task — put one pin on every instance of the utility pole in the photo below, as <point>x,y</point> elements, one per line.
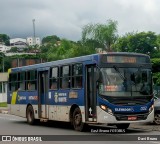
<point>34,35</point>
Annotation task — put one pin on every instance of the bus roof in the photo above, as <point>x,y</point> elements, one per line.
<point>73,60</point>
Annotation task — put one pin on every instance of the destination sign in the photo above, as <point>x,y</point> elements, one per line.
<point>124,59</point>
<point>121,59</point>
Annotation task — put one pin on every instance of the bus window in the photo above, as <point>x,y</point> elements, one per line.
<point>65,77</point>
<point>13,82</point>
<point>54,78</point>
<point>65,83</point>
<point>53,83</point>
<point>31,80</point>
<point>32,85</point>
<point>77,76</point>
<point>77,82</point>
<point>22,81</point>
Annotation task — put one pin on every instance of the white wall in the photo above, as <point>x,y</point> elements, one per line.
<point>3,96</point>
<point>4,48</point>
<point>30,41</point>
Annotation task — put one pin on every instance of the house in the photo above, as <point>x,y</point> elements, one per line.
<point>19,43</point>
<point>4,48</point>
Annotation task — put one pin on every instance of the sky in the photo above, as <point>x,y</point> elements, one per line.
<point>66,18</point>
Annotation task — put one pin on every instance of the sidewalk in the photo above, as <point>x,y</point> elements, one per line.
<point>4,110</point>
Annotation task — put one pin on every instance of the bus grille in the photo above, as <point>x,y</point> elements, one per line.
<point>129,103</point>
<point>123,117</point>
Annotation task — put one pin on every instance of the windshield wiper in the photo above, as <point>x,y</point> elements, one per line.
<point>120,74</point>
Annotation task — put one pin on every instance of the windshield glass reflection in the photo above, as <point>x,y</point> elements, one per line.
<point>125,82</point>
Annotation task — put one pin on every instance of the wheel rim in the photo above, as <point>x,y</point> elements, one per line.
<point>78,119</point>
<point>157,119</point>
<point>30,116</point>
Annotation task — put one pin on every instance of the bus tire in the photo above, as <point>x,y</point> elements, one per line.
<point>157,119</point>
<point>122,126</point>
<point>77,120</point>
<point>30,115</point>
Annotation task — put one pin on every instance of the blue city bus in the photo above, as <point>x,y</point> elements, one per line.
<point>113,88</point>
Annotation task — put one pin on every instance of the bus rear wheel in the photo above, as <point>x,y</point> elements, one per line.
<point>122,126</point>
<point>77,120</point>
<point>30,115</point>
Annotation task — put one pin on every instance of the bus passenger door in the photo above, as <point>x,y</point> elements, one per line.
<point>90,94</point>
<point>42,94</point>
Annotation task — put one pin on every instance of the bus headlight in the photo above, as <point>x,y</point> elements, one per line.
<point>151,108</point>
<point>105,108</point>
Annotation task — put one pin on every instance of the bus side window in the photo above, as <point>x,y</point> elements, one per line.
<point>77,75</point>
<point>78,82</point>
<point>65,82</point>
<point>13,82</point>
<point>54,79</point>
<point>65,77</point>
<point>53,84</point>
<point>29,86</point>
<point>31,80</point>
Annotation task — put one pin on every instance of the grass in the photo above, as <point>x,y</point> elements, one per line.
<point>3,104</point>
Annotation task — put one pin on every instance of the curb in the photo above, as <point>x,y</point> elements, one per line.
<point>4,110</point>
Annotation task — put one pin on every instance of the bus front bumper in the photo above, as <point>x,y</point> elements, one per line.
<point>106,118</point>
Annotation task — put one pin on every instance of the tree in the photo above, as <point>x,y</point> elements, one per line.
<point>91,45</point>
<point>143,42</point>
<point>156,70</point>
<point>157,48</point>
<point>4,39</point>
<point>14,50</point>
<point>79,49</point>
<point>5,62</point>
<point>50,39</point>
<point>104,34</point>
<point>68,49</point>
<point>59,52</point>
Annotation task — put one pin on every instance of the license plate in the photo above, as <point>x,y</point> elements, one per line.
<point>132,118</point>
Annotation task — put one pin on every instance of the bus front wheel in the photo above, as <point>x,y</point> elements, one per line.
<point>157,119</point>
<point>122,126</point>
<point>77,120</point>
<point>30,115</point>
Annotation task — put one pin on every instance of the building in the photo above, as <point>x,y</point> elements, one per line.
<point>19,43</point>
<point>33,41</point>
<point>3,87</point>
<point>4,48</point>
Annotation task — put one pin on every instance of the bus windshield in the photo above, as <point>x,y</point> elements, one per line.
<point>125,82</point>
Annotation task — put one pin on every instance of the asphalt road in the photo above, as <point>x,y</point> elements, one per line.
<point>63,133</point>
